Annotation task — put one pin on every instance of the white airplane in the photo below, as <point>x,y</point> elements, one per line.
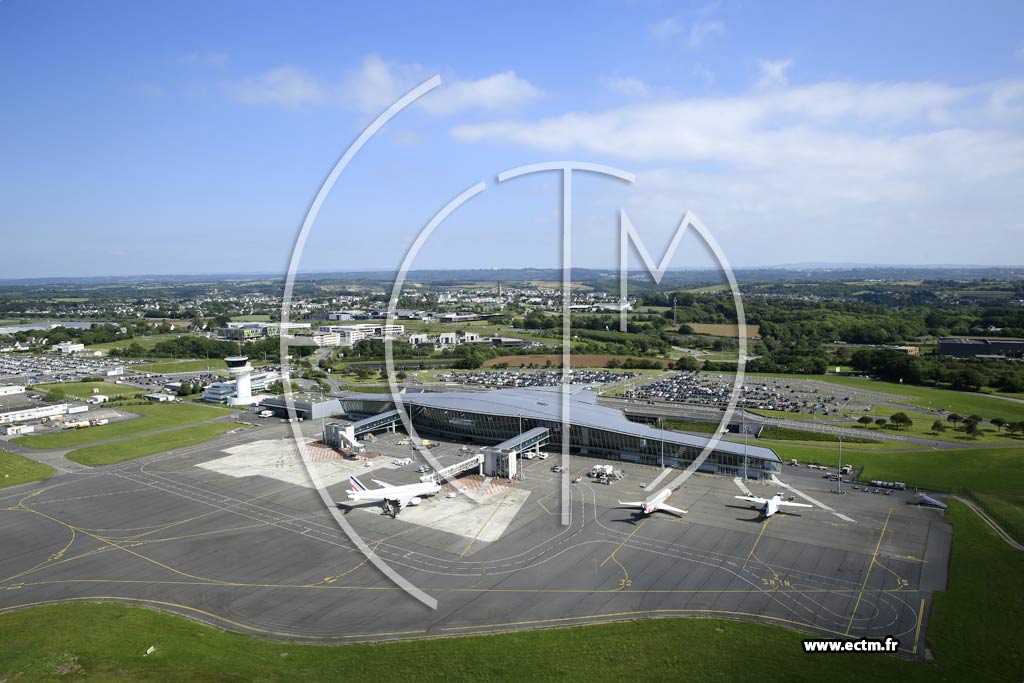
<point>769,506</point>
<point>652,505</point>
<point>401,496</point>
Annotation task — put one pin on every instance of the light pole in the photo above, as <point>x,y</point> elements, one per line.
<point>839,482</point>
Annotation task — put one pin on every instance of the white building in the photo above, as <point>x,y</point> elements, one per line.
<point>350,334</point>
<point>326,339</point>
<point>227,392</point>
<point>17,430</point>
<point>10,389</point>
<point>69,347</point>
<point>35,413</point>
<point>448,338</point>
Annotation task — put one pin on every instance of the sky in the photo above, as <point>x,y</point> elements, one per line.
<point>177,138</point>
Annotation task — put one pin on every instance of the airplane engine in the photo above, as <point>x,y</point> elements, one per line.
<point>416,501</point>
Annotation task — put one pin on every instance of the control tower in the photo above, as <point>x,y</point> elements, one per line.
<point>240,370</point>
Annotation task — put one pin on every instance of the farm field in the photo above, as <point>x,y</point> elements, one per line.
<point>156,416</point>
<point>724,329</point>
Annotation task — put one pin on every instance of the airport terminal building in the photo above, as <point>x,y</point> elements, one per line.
<point>596,431</point>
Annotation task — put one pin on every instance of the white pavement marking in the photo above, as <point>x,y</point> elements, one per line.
<point>812,500</point>
<point>664,473</point>
<point>743,487</point>
<point>482,489</point>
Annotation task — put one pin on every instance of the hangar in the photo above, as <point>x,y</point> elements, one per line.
<point>596,431</point>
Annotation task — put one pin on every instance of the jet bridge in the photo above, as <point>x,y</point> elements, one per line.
<point>458,468</point>
<point>375,423</point>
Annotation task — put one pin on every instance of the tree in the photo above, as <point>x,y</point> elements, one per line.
<point>972,429</point>
<point>901,420</point>
<point>976,419</point>
<point>865,420</point>
<point>687,363</point>
<point>613,364</point>
<point>938,426</point>
<point>954,418</point>
<point>998,422</point>
<point>881,422</point>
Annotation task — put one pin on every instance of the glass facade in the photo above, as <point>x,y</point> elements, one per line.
<point>585,440</point>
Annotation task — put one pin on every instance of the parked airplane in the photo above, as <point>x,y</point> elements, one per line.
<point>388,494</point>
<point>652,505</point>
<point>769,506</point>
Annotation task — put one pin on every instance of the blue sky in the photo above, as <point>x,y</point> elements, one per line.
<point>185,138</point>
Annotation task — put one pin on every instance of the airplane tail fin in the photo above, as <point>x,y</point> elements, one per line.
<point>356,484</point>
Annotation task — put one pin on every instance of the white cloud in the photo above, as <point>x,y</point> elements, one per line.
<point>284,86</point>
<point>666,28</point>
<point>773,73</point>
<point>703,29</point>
<point>811,164</point>
<point>627,86</point>
<point>204,58</point>
<point>502,90</point>
<point>376,83</point>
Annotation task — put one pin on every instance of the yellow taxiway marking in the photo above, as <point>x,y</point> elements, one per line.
<point>764,526</point>
<point>867,575</point>
<point>484,526</point>
<point>612,554</point>
<point>917,632</point>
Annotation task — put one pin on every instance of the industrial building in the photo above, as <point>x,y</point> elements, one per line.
<point>40,412</point>
<point>307,406</point>
<point>964,347</point>
<point>597,431</point>
<point>11,389</point>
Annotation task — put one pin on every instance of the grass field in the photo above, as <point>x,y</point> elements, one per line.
<point>17,469</point>
<point>146,342</point>
<point>983,470</point>
<point>195,365</point>
<point>156,416</point>
<point>789,434</point>
<point>1009,509</point>
<point>119,451</point>
<point>84,390</point>
<point>960,402</point>
<point>973,634</point>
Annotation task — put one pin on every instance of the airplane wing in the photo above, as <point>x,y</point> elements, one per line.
<point>669,508</point>
<point>794,505</point>
<point>754,499</point>
<point>402,502</point>
<point>633,503</point>
<point>382,484</point>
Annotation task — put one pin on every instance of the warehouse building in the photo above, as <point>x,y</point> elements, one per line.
<point>596,431</point>
<point>962,347</point>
